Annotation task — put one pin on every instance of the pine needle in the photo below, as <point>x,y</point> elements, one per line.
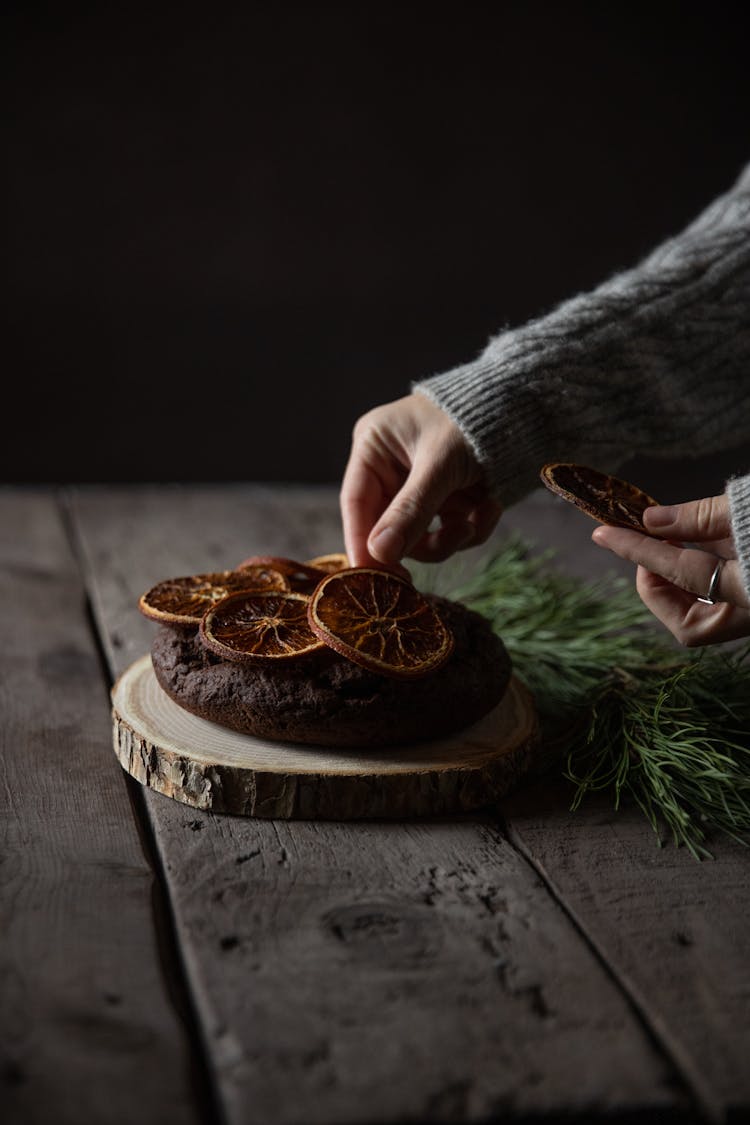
<point>677,743</point>
<point>648,723</point>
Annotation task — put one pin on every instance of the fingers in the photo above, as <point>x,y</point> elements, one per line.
<point>669,580</point>
<point>409,462</point>
<point>406,520</point>
<point>466,520</point>
<point>402,527</point>
<point>377,467</point>
<point>687,568</point>
<point>362,501</point>
<point>691,622</point>
<point>697,521</point>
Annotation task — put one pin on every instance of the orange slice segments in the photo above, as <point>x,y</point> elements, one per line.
<point>302,577</point>
<point>264,626</point>
<point>380,621</point>
<point>605,498</point>
<point>329,563</point>
<point>184,600</point>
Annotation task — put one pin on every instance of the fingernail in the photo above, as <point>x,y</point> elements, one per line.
<point>598,535</point>
<point>387,545</point>
<point>661,516</point>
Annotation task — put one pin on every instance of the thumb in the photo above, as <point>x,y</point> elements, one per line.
<point>411,511</point>
<point>695,522</point>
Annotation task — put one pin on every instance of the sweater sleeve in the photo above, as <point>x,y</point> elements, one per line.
<point>654,361</point>
<point>738,492</point>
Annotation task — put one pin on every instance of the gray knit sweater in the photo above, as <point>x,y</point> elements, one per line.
<point>654,361</point>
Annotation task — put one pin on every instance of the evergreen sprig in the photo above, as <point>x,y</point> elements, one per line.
<point>646,721</point>
<point>677,742</point>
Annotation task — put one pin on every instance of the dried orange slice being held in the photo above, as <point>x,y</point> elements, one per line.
<point>380,621</point>
<point>183,601</point>
<point>265,626</point>
<point>603,497</point>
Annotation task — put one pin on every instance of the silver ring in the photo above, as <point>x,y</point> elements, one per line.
<point>709,598</point>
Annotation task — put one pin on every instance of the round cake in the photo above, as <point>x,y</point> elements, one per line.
<point>324,699</point>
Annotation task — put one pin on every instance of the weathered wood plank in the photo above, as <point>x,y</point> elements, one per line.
<point>360,972</point>
<point>676,932</point>
<point>370,972</point>
<point>88,1032</point>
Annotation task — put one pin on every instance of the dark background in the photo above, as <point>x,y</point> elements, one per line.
<point>233,229</point>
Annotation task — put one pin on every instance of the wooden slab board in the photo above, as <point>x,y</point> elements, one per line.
<point>211,767</point>
<point>676,931</point>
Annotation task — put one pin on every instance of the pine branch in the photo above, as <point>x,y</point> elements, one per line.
<point>648,723</point>
<point>678,744</point>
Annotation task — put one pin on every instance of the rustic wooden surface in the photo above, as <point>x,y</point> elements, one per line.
<point>675,932</point>
<point>477,968</point>
<point>210,767</point>
<point>88,1031</point>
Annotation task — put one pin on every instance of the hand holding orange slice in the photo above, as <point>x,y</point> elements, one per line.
<point>259,626</point>
<point>184,600</point>
<point>607,499</point>
<point>380,621</point>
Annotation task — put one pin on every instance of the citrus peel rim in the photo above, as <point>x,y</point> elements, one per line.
<point>249,626</point>
<point>379,620</point>
<point>605,498</point>
<point>185,599</point>
<point>330,564</point>
<point>302,577</point>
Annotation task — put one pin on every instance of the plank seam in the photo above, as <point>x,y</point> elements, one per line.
<point>173,968</point>
<point>703,1101</point>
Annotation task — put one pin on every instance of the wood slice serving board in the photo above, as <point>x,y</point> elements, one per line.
<point>211,767</point>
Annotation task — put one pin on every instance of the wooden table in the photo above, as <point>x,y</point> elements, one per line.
<point>168,966</point>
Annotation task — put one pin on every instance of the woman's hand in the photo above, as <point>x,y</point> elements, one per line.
<point>408,463</point>
<point>671,577</point>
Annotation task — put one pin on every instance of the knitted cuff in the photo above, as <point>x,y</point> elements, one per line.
<point>738,491</point>
<point>501,420</point>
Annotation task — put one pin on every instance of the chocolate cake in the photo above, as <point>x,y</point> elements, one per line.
<point>327,700</point>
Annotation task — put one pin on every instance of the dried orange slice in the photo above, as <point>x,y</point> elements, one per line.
<point>183,601</point>
<point>267,626</point>
<point>301,576</point>
<point>329,563</point>
<point>603,497</point>
<point>381,621</point>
